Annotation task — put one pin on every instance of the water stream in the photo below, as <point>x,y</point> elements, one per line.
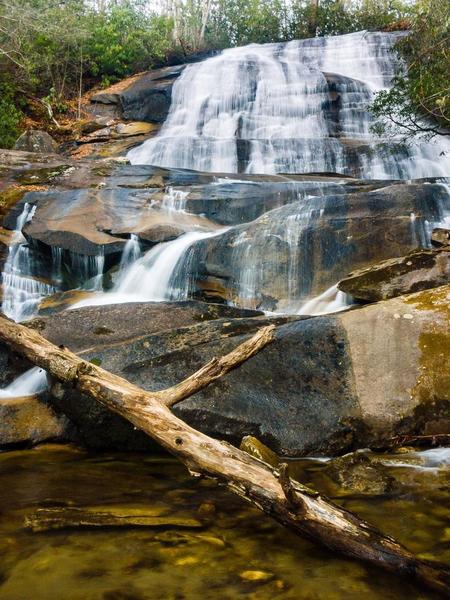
<point>30,383</point>
<point>296,107</point>
<point>22,291</point>
<point>405,494</point>
<point>163,273</point>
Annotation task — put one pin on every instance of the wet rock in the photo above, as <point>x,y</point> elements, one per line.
<point>419,270</point>
<point>328,236</point>
<point>30,421</point>
<point>106,326</point>
<point>355,473</point>
<point>325,385</point>
<point>34,140</point>
<point>440,236</point>
<point>46,519</point>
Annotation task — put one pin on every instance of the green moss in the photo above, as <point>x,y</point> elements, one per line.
<point>436,300</point>
<point>433,382</point>
<point>40,176</point>
<point>10,197</point>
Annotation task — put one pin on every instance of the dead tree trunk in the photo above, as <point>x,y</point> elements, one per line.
<point>293,505</point>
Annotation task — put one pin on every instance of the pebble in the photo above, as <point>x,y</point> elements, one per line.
<point>256,576</point>
<point>186,561</point>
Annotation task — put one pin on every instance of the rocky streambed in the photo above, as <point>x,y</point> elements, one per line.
<point>329,384</point>
<point>218,545</point>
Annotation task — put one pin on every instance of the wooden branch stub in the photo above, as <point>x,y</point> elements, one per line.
<point>217,367</point>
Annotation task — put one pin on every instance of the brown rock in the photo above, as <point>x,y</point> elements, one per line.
<point>419,270</point>
<point>440,236</point>
<point>30,420</point>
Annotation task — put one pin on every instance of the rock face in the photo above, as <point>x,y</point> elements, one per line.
<point>34,140</point>
<point>31,420</point>
<point>440,237</point>
<point>419,270</point>
<point>325,224</point>
<point>303,248</point>
<point>146,97</point>
<point>323,386</point>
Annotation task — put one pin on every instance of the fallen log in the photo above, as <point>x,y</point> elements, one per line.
<point>46,519</point>
<point>290,503</point>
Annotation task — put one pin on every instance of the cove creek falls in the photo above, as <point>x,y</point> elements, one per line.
<point>230,193</point>
<point>200,203</point>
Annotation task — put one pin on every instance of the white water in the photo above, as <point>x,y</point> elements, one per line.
<point>427,460</point>
<point>32,382</point>
<point>163,273</point>
<point>175,200</point>
<point>331,300</point>
<point>268,108</point>
<point>131,253</point>
<point>21,291</point>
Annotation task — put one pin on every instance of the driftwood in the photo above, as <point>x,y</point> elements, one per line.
<point>46,519</point>
<point>291,504</point>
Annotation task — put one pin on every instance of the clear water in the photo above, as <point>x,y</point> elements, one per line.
<point>207,563</point>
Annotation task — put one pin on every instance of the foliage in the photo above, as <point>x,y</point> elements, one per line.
<point>126,40</point>
<point>10,116</point>
<point>425,89</point>
<point>56,49</point>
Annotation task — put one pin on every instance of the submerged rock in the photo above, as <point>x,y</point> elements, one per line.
<point>356,473</point>
<point>419,270</point>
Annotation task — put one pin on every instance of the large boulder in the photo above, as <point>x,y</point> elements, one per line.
<point>34,140</point>
<point>325,385</point>
<point>419,270</point>
<point>305,247</point>
<point>145,97</point>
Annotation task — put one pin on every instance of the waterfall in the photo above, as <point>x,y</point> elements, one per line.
<point>32,382</point>
<point>22,292</point>
<point>293,107</point>
<point>131,252</point>
<point>331,300</point>
<point>163,273</point>
<point>280,242</point>
<point>174,200</point>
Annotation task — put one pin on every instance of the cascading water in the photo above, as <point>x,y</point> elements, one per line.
<point>174,200</point>
<point>131,252</point>
<point>295,107</point>
<point>21,291</point>
<point>163,273</point>
<point>31,383</point>
<point>331,300</point>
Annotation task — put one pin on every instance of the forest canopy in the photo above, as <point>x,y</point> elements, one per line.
<point>52,51</point>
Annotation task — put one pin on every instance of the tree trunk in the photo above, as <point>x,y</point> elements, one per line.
<point>303,510</point>
<point>312,25</point>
